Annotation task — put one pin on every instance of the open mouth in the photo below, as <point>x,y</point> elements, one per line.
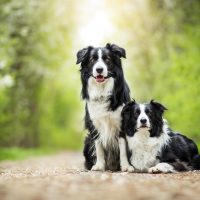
<point>100,78</point>
<point>144,126</point>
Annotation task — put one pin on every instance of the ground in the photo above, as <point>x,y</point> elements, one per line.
<point>62,176</point>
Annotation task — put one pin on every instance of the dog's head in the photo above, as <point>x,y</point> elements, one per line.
<point>148,116</point>
<point>100,63</point>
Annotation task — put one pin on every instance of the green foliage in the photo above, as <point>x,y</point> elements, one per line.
<point>39,106</point>
<point>20,153</point>
<point>178,64</point>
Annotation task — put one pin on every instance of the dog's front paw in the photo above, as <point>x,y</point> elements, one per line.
<point>98,167</point>
<point>154,170</point>
<point>161,168</point>
<point>127,168</point>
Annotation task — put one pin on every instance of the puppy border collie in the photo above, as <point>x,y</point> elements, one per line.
<point>152,146</point>
<point>105,92</point>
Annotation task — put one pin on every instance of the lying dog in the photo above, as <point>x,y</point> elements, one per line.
<point>152,146</point>
<point>105,91</point>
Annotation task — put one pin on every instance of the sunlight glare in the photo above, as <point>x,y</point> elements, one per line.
<point>95,24</point>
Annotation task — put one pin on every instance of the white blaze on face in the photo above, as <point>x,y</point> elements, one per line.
<point>143,115</point>
<point>100,64</point>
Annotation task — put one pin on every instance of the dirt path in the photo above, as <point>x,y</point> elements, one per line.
<point>62,177</point>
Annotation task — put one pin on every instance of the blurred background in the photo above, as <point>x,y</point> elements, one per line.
<point>40,105</point>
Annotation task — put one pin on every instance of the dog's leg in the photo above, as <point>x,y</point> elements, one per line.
<point>100,162</point>
<point>124,164</point>
<point>162,168</point>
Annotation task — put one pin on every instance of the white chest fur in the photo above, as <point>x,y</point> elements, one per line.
<point>145,149</point>
<point>106,122</point>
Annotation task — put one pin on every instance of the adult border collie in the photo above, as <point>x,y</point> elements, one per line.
<point>105,91</point>
<point>152,146</point>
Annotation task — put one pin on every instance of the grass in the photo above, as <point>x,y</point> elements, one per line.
<point>16,153</point>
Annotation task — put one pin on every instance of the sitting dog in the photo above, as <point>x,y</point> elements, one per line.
<point>152,146</point>
<point>105,91</point>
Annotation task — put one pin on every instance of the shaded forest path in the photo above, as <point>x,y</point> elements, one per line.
<point>62,176</point>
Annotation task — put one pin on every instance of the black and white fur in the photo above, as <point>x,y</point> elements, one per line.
<point>105,92</point>
<point>152,146</point>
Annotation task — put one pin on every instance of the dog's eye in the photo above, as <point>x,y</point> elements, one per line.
<point>147,111</point>
<point>105,58</point>
<point>137,112</point>
<point>95,57</point>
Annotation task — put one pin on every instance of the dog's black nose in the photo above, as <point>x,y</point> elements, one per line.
<point>143,121</point>
<point>99,70</point>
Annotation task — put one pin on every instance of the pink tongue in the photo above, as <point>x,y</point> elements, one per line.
<point>100,79</point>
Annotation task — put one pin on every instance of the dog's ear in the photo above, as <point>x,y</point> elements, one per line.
<point>128,106</point>
<point>82,54</point>
<point>158,106</point>
<point>127,120</point>
<point>119,51</point>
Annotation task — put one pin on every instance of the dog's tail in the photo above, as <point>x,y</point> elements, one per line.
<point>196,162</point>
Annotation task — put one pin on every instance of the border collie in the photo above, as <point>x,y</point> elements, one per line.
<point>152,146</point>
<point>105,91</point>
